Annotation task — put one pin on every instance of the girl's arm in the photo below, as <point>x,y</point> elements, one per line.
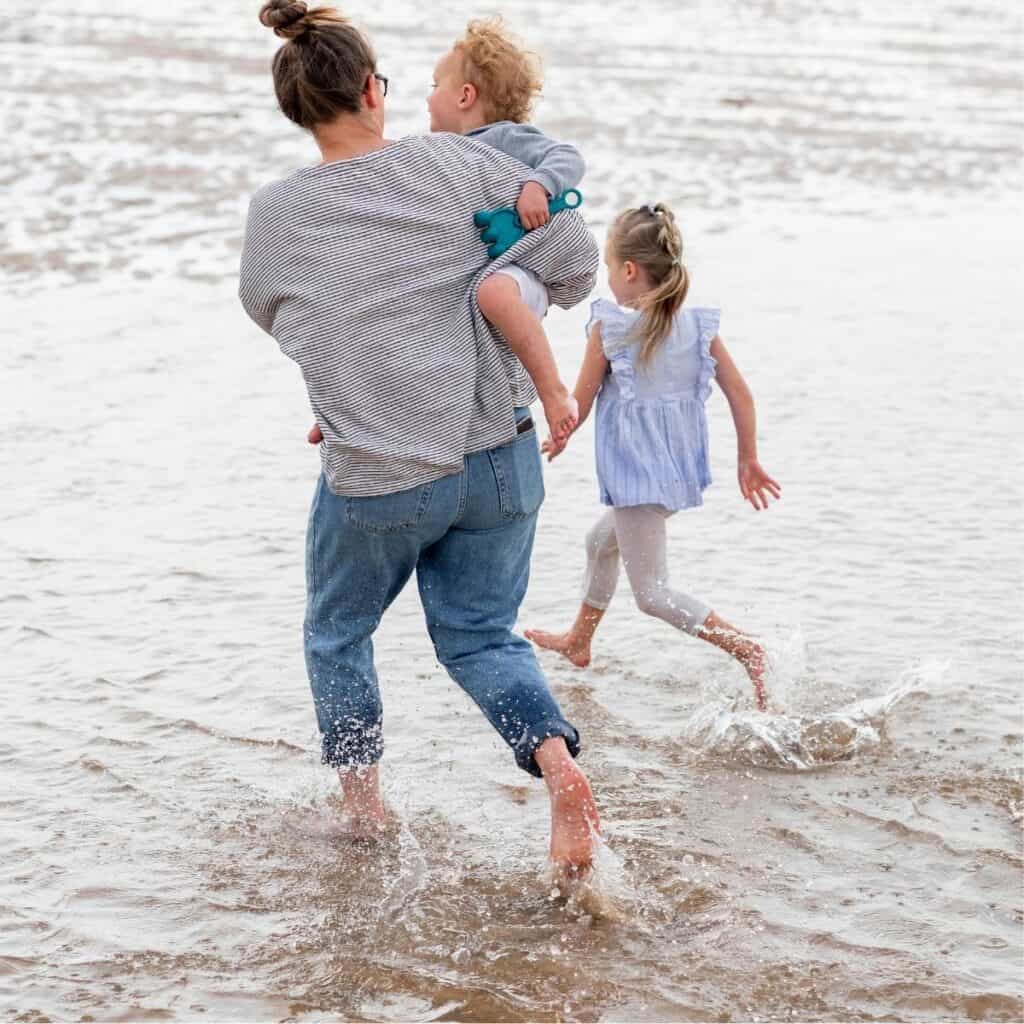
<point>753,480</point>
<point>592,372</point>
<point>588,384</point>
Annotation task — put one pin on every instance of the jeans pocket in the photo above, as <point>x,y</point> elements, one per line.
<point>520,478</point>
<point>390,513</point>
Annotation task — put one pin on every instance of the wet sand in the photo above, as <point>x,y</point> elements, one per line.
<point>846,178</point>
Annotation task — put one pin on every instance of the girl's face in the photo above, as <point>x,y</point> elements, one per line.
<point>627,280</point>
<point>447,100</point>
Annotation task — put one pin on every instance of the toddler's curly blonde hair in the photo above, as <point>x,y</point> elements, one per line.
<point>507,77</point>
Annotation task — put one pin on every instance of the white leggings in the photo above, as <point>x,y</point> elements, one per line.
<point>637,533</point>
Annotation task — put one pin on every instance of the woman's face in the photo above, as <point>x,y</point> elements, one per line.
<point>447,95</point>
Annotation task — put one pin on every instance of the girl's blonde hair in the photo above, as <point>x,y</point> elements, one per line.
<point>507,77</point>
<point>649,237</point>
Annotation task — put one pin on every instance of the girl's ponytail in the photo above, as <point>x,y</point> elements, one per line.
<point>649,237</point>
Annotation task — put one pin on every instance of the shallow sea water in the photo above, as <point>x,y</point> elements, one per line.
<point>847,176</point>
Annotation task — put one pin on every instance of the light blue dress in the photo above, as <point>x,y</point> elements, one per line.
<point>651,428</point>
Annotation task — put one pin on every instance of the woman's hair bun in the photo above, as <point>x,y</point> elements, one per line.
<point>286,17</point>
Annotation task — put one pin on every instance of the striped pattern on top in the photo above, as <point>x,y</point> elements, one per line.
<point>365,272</point>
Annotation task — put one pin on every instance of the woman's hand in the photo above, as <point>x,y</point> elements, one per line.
<point>533,206</point>
<point>552,448</point>
<point>754,482</point>
<point>315,435</point>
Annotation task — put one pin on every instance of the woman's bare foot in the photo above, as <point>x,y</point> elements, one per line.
<point>566,644</point>
<point>574,820</point>
<point>363,811</point>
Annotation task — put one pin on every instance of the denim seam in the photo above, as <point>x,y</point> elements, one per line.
<point>516,520</point>
<point>502,481</point>
<point>463,494</point>
<point>311,555</point>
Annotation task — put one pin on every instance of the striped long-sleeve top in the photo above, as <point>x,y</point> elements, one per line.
<point>365,272</point>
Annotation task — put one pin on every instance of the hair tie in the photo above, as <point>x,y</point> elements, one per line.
<point>649,207</point>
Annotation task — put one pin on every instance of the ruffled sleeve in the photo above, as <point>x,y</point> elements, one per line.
<point>616,324</point>
<point>707,326</point>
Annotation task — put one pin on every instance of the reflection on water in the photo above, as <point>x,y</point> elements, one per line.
<point>171,846</point>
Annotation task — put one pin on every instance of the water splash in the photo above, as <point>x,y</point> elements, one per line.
<point>806,741</point>
<point>604,893</point>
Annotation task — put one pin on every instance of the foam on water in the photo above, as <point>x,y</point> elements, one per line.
<point>802,742</point>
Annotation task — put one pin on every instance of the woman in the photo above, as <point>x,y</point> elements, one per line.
<point>364,269</point>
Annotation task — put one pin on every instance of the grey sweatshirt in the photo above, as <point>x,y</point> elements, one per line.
<point>557,166</point>
<point>365,271</point>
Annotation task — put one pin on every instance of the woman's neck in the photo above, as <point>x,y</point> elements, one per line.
<point>348,136</point>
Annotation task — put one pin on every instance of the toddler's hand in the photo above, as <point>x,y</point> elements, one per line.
<point>563,416</point>
<point>754,481</point>
<point>315,435</point>
<point>533,206</point>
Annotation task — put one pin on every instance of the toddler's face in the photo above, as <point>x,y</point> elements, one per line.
<point>443,101</point>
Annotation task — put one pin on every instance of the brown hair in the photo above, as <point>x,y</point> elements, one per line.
<point>322,68</point>
<point>507,77</point>
<point>649,237</point>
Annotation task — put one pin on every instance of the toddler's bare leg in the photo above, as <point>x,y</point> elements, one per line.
<point>502,303</point>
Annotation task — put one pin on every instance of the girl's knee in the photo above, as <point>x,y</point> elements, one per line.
<point>651,603</point>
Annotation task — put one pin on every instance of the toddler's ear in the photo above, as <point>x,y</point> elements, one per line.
<point>468,96</point>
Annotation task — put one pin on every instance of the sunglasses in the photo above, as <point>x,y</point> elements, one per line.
<point>383,80</point>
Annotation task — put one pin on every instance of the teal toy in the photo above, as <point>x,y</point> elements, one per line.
<point>502,228</point>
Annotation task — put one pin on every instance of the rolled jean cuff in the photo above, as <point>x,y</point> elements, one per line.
<point>534,735</point>
<point>352,749</point>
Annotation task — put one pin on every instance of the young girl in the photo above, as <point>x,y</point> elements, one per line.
<point>650,364</point>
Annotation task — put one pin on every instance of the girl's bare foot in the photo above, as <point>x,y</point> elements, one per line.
<point>566,644</point>
<point>745,649</point>
<point>574,820</point>
<point>755,664</point>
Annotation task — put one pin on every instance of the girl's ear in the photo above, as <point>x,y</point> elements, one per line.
<point>629,269</point>
<point>468,95</point>
<point>372,94</point>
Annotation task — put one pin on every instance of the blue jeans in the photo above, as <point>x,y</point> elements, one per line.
<point>469,538</point>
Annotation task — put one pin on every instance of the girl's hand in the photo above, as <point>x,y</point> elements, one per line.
<point>552,448</point>
<point>754,482</point>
